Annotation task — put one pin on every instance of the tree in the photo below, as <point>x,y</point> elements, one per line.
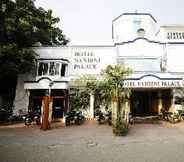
<point>108,88</point>
<point>80,94</point>
<point>23,26</point>
<point>113,77</point>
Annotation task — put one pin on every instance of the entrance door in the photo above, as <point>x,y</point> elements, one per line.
<point>144,103</point>
<point>58,107</point>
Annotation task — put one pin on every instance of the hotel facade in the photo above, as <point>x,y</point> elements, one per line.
<point>154,52</point>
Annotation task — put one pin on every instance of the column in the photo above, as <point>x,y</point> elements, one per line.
<point>114,107</point>
<point>66,103</point>
<point>172,109</point>
<point>127,109</point>
<point>159,102</point>
<point>91,106</point>
<point>45,124</point>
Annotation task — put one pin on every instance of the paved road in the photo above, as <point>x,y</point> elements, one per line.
<point>92,143</point>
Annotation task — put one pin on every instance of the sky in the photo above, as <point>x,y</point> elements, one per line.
<point>89,22</point>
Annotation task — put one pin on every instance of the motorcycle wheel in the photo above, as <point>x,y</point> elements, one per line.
<point>77,122</point>
<point>109,122</point>
<point>27,122</point>
<point>37,122</point>
<point>67,122</point>
<point>182,116</point>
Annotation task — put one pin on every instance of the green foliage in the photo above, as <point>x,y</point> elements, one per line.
<point>120,128</point>
<point>108,86</point>
<point>23,26</point>
<point>114,76</point>
<point>79,99</point>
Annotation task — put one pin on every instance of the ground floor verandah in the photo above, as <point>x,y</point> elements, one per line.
<point>149,102</point>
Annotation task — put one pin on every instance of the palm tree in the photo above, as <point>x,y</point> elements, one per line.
<point>113,79</point>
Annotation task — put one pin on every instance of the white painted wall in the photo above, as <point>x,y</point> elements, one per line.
<point>100,57</point>
<point>141,48</point>
<point>125,27</point>
<point>172,29</point>
<point>175,62</point>
<point>22,97</point>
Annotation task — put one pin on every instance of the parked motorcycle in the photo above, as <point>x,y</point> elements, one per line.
<point>31,117</point>
<point>170,116</point>
<point>79,118</point>
<point>101,118</point>
<point>130,119</point>
<point>5,114</point>
<point>109,117</point>
<point>74,117</point>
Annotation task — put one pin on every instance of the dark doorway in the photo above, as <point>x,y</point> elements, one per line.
<point>59,101</point>
<point>58,108</point>
<point>144,103</point>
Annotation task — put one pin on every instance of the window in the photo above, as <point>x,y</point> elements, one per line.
<point>63,69</point>
<point>141,32</point>
<point>52,68</point>
<point>43,68</point>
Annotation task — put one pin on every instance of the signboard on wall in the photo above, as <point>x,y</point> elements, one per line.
<point>153,84</point>
<point>151,81</point>
<point>85,60</point>
<point>91,60</point>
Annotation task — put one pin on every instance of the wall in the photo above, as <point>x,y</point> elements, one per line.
<point>22,97</point>
<point>175,55</point>
<point>125,27</point>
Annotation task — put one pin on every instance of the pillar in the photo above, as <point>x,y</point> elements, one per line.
<point>45,115</point>
<point>91,106</point>
<point>172,109</point>
<point>159,102</point>
<point>66,103</point>
<point>127,109</point>
<point>50,109</point>
<point>114,107</point>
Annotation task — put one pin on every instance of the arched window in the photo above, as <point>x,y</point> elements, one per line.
<point>141,32</point>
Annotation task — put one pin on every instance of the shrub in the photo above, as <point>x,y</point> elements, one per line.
<point>120,128</point>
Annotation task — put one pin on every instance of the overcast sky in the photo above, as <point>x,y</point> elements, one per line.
<point>89,22</point>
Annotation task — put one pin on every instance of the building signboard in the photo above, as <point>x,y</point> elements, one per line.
<point>151,81</point>
<point>85,60</point>
<point>153,84</point>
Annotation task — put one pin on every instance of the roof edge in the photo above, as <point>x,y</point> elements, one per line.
<point>134,14</point>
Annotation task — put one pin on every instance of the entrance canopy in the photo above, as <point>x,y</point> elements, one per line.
<point>156,80</point>
<point>46,83</point>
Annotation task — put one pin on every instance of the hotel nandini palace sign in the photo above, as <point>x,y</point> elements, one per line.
<point>152,81</point>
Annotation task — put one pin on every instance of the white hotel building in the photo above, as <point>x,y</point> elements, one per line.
<point>155,53</point>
